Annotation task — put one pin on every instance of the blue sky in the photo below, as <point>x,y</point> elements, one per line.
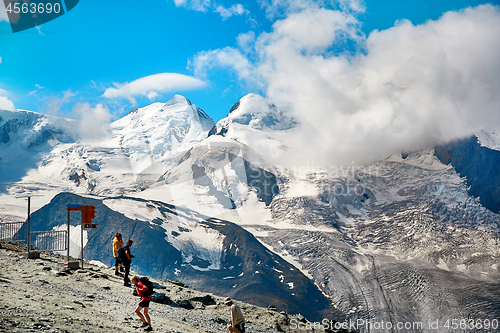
<point>90,54</point>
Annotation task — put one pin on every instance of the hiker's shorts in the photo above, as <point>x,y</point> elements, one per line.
<point>240,327</point>
<point>144,304</point>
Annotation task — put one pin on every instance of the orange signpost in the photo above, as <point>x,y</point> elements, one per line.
<point>88,214</point>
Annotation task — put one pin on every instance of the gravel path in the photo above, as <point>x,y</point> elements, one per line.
<point>39,295</point>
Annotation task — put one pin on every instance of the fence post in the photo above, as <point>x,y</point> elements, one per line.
<point>81,228</point>
<point>67,255</point>
<point>28,236</point>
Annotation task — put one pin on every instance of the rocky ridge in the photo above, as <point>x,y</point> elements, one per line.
<point>42,295</point>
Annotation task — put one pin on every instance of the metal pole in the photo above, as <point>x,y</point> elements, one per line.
<point>67,255</point>
<point>81,228</point>
<point>28,239</point>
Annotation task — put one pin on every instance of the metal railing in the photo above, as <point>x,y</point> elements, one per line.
<point>13,231</point>
<point>50,240</point>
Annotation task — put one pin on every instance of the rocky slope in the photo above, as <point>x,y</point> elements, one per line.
<point>479,164</point>
<point>39,295</point>
<point>177,243</point>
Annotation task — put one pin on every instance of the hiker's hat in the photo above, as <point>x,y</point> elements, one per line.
<point>227,300</point>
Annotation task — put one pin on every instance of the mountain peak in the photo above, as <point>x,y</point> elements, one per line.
<point>178,99</point>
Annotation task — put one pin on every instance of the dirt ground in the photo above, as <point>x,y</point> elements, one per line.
<point>40,295</point>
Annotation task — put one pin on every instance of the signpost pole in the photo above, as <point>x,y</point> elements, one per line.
<point>67,255</point>
<point>28,235</point>
<point>81,228</point>
<point>69,208</point>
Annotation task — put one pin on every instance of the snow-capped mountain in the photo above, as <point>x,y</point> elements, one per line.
<point>42,155</point>
<point>258,123</point>
<point>380,242</point>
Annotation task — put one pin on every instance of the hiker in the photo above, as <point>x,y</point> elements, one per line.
<point>126,262</point>
<point>237,323</point>
<point>117,243</point>
<point>142,290</point>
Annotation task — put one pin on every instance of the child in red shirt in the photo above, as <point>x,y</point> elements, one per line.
<point>144,304</point>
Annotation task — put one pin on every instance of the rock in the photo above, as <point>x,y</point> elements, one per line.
<point>79,303</point>
<point>272,308</point>
<point>58,273</point>
<point>158,286</point>
<point>205,300</point>
<point>184,303</point>
<point>198,305</point>
<point>159,298</point>
<point>220,321</point>
<point>177,283</point>
<point>301,318</point>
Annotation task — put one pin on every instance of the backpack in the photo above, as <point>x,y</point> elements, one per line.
<point>120,254</point>
<point>145,281</point>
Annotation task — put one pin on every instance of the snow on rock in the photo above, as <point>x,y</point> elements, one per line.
<point>157,132</point>
<point>489,139</point>
<point>186,233</point>
<point>257,123</point>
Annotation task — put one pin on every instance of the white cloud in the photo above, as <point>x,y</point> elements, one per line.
<point>5,102</point>
<point>205,5</point>
<point>228,57</point>
<point>411,88</point>
<point>237,9</point>
<point>54,103</point>
<point>198,5</point>
<point>93,124</point>
<point>282,8</point>
<point>153,85</point>
<point>246,41</point>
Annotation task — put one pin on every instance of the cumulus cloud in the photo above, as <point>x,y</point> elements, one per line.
<point>410,88</point>
<point>237,9</point>
<point>152,86</point>
<point>246,41</point>
<point>93,122</point>
<point>282,8</point>
<point>5,102</point>
<point>205,5</point>
<point>228,57</point>
<point>198,5</point>
<point>55,103</point>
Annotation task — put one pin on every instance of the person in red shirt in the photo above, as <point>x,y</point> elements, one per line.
<point>144,303</point>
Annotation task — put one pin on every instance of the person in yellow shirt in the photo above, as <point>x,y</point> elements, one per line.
<point>117,244</point>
